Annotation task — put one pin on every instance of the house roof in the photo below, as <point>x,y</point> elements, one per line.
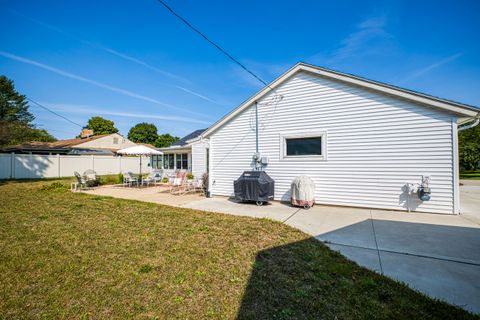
<point>56,145</point>
<point>461,109</point>
<point>184,141</point>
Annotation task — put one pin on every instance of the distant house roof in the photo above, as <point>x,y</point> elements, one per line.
<point>182,142</point>
<point>55,146</point>
<point>88,152</point>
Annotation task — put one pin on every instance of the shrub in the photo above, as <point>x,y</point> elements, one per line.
<point>189,176</point>
<point>56,186</point>
<point>119,178</point>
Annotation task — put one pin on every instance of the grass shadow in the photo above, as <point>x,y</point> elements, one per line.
<point>306,280</point>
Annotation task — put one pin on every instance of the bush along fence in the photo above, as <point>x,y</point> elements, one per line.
<point>33,166</point>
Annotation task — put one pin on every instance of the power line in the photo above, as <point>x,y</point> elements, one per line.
<point>51,111</point>
<point>214,44</point>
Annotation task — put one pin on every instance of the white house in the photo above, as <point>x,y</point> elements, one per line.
<point>179,155</point>
<point>360,141</point>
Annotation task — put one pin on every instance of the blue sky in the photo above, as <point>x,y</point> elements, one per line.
<point>132,61</point>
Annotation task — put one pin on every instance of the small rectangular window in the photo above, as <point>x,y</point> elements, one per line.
<point>115,140</point>
<point>311,146</point>
<point>308,145</point>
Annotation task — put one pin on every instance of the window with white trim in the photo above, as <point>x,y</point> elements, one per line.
<point>182,161</point>
<point>156,161</point>
<point>168,161</point>
<point>304,145</point>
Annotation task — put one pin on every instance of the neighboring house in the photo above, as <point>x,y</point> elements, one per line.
<point>179,155</point>
<point>97,145</point>
<point>361,141</point>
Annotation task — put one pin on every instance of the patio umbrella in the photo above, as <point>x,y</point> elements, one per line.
<point>139,150</point>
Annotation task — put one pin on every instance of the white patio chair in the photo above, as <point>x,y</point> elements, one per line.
<point>91,178</point>
<point>153,177</point>
<point>179,182</point>
<point>81,181</point>
<point>129,179</point>
<point>194,186</point>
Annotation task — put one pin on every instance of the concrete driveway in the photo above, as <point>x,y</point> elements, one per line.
<point>438,255</point>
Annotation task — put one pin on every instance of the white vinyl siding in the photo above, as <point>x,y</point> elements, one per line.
<point>376,144</point>
<point>199,158</point>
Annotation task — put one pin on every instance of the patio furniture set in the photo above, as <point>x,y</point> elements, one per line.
<point>88,180</point>
<point>178,181</point>
<point>154,177</point>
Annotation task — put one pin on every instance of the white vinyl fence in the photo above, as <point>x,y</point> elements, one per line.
<point>28,166</point>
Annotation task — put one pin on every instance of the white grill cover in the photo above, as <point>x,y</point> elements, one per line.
<point>303,191</point>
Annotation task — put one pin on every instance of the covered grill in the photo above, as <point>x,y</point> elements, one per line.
<point>303,192</point>
<point>254,186</point>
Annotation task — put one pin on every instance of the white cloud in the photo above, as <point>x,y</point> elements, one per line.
<point>367,32</point>
<point>369,37</point>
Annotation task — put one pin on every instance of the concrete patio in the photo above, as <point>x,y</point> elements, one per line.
<point>435,254</point>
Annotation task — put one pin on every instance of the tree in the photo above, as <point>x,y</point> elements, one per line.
<point>143,133</point>
<point>13,105</point>
<point>16,121</point>
<point>165,140</point>
<point>469,148</point>
<point>470,155</point>
<point>101,125</point>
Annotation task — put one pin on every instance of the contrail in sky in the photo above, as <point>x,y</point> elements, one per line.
<point>93,82</point>
<point>120,55</point>
<point>87,109</point>
<point>97,46</point>
<point>433,66</point>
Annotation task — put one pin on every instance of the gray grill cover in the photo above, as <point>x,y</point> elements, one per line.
<point>254,186</point>
<point>303,191</point>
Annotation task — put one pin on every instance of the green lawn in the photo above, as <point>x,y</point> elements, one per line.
<point>72,255</point>
<point>475,175</point>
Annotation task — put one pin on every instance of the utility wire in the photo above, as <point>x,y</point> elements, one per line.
<point>51,111</point>
<point>214,44</point>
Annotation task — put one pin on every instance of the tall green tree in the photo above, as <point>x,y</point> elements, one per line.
<point>16,121</point>
<point>101,125</point>
<point>165,140</point>
<point>13,105</point>
<point>469,148</point>
<point>143,133</point>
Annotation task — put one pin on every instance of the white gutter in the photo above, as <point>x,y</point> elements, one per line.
<point>476,121</point>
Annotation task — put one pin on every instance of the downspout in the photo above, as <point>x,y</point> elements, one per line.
<point>257,154</point>
<point>256,127</point>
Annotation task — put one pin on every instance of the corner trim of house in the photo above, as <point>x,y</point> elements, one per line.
<point>456,169</point>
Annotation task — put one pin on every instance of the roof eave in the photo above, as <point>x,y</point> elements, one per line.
<point>457,108</point>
